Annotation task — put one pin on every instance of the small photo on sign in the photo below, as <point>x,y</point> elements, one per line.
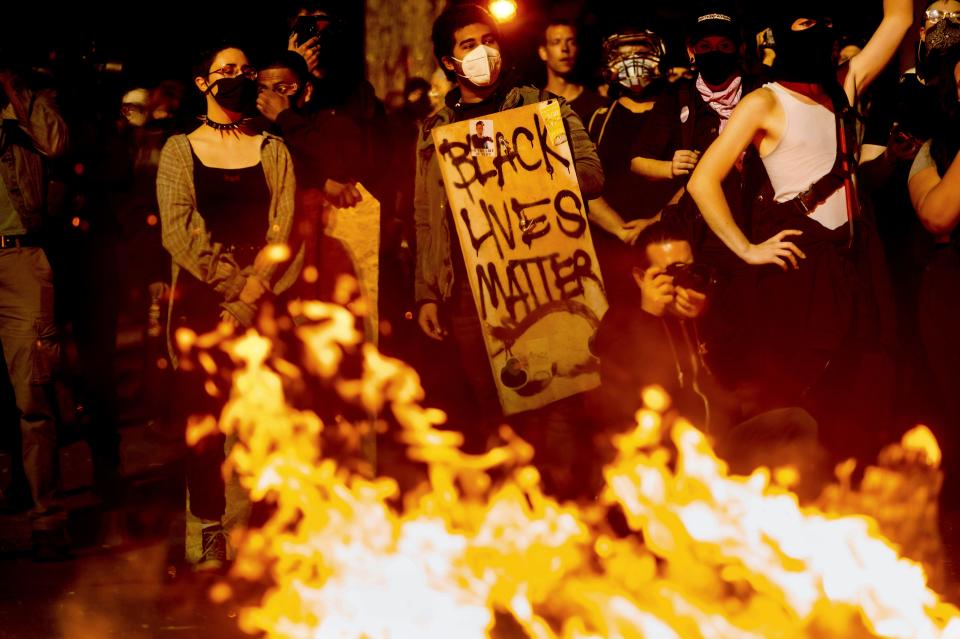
<point>481,137</point>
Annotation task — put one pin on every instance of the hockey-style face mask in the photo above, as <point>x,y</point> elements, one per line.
<point>633,59</point>
<point>938,42</point>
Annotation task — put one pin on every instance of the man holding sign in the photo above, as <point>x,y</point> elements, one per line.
<point>465,39</point>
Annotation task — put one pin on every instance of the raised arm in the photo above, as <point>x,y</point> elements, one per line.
<point>748,123</point>
<point>879,50</point>
<point>937,200</point>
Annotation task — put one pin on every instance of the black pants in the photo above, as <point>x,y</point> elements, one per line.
<point>205,459</point>
<point>939,319</point>
<point>559,432</point>
<point>199,311</point>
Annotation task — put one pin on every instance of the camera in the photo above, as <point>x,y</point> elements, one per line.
<point>698,277</point>
<point>306,27</point>
<point>325,27</point>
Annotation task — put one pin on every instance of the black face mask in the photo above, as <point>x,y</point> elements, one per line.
<point>238,95</point>
<point>805,56</point>
<point>717,67</point>
<point>938,41</point>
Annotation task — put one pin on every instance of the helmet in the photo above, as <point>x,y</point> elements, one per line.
<point>633,59</point>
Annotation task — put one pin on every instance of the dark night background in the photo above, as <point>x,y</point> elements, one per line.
<point>157,41</point>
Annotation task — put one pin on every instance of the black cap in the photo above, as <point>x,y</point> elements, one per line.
<point>715,21</point>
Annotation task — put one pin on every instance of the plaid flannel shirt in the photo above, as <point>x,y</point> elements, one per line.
<point>189,243</point>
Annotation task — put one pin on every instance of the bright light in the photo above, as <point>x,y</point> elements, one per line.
<point>310,274</point>
<point>503,10</point>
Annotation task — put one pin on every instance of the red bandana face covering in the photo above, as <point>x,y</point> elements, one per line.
<point>724,101</point>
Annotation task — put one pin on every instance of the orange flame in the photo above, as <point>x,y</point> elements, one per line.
<point>719,557</point>
<point>921,440</point>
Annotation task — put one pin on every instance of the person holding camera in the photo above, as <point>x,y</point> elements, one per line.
<point>319,33</point>
<point>651,337</point>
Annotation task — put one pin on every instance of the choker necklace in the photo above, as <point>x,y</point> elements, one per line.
<point>232,126</point>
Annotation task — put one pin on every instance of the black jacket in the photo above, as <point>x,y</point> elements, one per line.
<point>637,349</point>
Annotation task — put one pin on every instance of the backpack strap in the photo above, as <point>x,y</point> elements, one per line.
<point>841,174</point>
<point>605,112</point>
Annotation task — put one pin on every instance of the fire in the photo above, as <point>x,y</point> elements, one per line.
<point>921,440</point>
<point>479,550</point>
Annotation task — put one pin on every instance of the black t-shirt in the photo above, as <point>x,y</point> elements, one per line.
<point>630,195</point>
<point>484,143</point>
<point>682,120</point>
<point>637,349</point>
<point>586,104</point>
<point>234,204</point>
<point>323,144</point>
<point>678,108</point>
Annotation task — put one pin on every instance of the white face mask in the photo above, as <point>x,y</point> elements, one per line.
<point>135,116</point>
<point>137,119</point>
<point>481,65</point>
<point>133,106</point>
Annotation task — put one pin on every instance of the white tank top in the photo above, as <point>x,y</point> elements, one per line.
<point>806,152</point>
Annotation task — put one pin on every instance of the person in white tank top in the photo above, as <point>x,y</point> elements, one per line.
<point>806,152</point>
<point>791,123</point>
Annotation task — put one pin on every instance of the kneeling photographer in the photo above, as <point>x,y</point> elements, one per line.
<point>653,338</point>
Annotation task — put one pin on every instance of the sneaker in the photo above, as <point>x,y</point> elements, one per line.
<point>213,544</point>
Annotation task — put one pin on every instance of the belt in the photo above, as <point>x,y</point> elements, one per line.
<point>17,241</point>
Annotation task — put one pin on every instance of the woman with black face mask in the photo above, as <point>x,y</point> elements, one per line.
<point>225,193</point>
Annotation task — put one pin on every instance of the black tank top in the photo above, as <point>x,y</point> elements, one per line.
<point>235,204</point>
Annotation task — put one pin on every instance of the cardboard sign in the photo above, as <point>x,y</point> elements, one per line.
<point>523,230</point>
<point>358,231</point>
